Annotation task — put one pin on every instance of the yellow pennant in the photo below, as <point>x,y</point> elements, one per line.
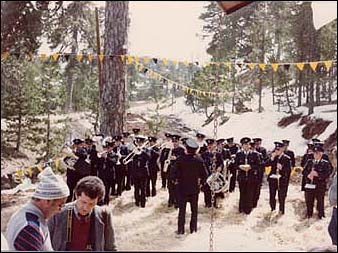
<point>136,58</point>
<point>228,64</point>
<point>175,62</point>
<point>146,59</point>
<point>4,55</point>
<point>129,59</point>
<point>274,66</point>
<point>165,61</point>
<point>55,56</point>
<point>57,164</point>
<point>267,170</point>
<point>19,173</point>
<point>251,65</point>
<point>101,56</point>
<point>90,57</point>
<point>262,66</point>
<point>43,56</point>
<point>29,172</point>
<point>314,65</point>
<point>40,168</point>
<point>186,63</point>
<point>79,57</point>
<point>300,65</point>
<point>328,65</point>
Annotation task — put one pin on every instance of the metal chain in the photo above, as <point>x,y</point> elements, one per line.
<point>215,122</point>
<point>211,237</point>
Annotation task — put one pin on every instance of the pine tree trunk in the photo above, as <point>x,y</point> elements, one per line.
<point>70,67</point>
<point>317,93</point>
<point>113,98</point>
<point>300,86</point>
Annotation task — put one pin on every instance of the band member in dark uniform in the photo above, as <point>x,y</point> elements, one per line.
<point>316,172</point>
<point>233,148</point>
<point>121,152</point>
<point>264,157</point>
<point>140,172</point>
<point>164,152</point>
<point>306,157</point>
<point>153,167</point>
<point>289,152</point>
<point>106,168</point>
<point>201,143</point>
<point>214,162</point>
<point>279,176</point>
<point>130,146</point>
<point>226,155</point>
<point>189,174</point>
<point>176,152</point>
<point>248,164</point>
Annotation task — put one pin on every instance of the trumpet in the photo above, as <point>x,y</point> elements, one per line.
<point>119,156</point>
<point>136,151</point>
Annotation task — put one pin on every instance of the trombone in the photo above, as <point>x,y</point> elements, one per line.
<point>136,151</point>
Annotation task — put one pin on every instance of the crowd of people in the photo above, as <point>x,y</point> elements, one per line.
<point>101,166</point>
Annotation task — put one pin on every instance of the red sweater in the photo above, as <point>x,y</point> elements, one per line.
<point>80,233</point>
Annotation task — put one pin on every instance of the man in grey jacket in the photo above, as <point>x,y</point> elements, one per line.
<point>82,224</point>
<point>333,202</point>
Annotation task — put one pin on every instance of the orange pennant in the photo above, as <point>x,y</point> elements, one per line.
<point>4,55</point>
<point>43,56</point>
<point>101,56</point>
<point>251,65</point>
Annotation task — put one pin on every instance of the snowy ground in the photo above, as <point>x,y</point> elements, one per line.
<point>152,228</point>
<point>251,124</point>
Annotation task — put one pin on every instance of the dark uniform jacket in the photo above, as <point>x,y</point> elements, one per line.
<point>291,154</point>
<point>285,172</point>
<point>139,167</point>
<point>253,158</point>
<point>323,169</point>
<point>190,172</point>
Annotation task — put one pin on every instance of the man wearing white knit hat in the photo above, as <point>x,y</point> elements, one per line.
<point>27,228</point>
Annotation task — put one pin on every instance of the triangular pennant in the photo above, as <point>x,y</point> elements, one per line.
<point>90,57</point>
<point>262,66</point>
<point>17,55</point>
<point>228,64</point>
<point>155,60</point>
<point>287,67</point>
<point>175,62</point>
<point>55,56</point>
<point>40,167</point>
<point>239,65</point>
<point>129,59</point>
<point>314,65</point>
<point>57,164</point>
<point>123,57</point>
<point>101,56</point>
<point>186,63</point>
<point>29,172</point>
<point>274,66</point>
<point>300,65</point>
<point>145,71</point>
<point>79,57</point>
<point>66,57</point>
<point>30,56</point>
<point>197,63</point>
<point>43,56</point>
<point>4,55</point>
<point>165,61</point>
<point>328,65</point>
<point>251,65</point>
<point>146,60</point>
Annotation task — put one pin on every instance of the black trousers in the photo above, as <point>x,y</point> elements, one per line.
<point>246,195</point>
<point>140,191</point>
<point>310,197</point>
<point>151,180</point>
<point>282,191</point>
<point>172,194</point>
<point>182,205</point>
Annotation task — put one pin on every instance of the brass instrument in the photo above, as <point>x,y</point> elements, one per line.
<point>167,162</point>
<point>119,156</point>
<point>246,167</point>
<point>136,151</point>
<point>217,181</point>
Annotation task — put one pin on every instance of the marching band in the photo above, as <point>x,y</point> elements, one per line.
<point>135,160</point>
